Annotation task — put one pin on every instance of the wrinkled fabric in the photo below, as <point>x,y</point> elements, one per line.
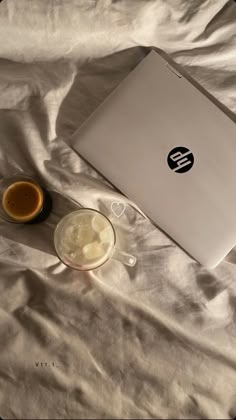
<point>154,341</point>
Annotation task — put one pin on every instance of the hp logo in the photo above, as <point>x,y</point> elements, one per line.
<point>180,159</point>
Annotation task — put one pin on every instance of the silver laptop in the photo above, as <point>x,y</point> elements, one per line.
<point>172,151</point>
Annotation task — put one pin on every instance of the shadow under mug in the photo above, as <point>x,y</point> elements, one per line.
<point>76,246</point>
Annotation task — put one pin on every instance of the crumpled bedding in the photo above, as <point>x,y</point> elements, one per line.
<point>153,341</point>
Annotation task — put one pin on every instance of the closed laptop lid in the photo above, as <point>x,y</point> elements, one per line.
<point>171,150</point>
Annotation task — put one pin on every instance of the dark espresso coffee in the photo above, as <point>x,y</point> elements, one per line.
<point>23,201</point>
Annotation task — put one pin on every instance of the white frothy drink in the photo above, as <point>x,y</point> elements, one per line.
<point>85,239</point>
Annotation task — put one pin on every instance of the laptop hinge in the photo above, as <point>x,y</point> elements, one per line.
<point>173,70</point>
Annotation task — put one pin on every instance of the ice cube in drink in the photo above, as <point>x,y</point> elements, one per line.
<point>87,239</point>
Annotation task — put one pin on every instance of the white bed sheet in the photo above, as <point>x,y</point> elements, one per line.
<point>154,341</point>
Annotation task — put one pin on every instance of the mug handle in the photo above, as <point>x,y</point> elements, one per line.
<point>123,257</point>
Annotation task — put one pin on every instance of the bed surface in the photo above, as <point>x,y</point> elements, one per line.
<point>153,341</point>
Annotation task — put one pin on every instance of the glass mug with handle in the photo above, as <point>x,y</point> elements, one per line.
<point>85,239</point>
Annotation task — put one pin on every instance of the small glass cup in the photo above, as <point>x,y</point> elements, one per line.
<point>85,239</point>
<point>9,181</point>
